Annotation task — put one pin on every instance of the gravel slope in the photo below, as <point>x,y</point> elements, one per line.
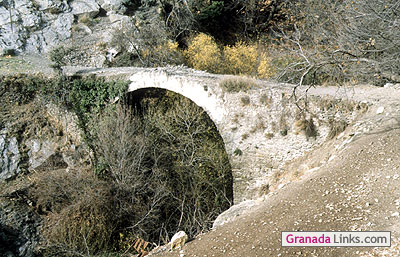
<point>358,189</point>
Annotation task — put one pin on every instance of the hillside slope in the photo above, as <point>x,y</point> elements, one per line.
<point>358,189</point>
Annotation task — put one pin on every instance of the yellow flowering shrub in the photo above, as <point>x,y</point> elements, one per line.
<point>203,53</point>
<point>241,59</point>
<point>265,69</point>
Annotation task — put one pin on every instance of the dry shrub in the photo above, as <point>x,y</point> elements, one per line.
<point>145,45</point>
<point>203,53</point>
<point>245,100</point>
<point>241,59</point>
<point>266,99</point>
<point>283,125</point>
<point>167,52</point>
<point>265,68</point>
<point>307,126</point>
<point>80,217</point>
<point>336,127</point>
<point>85,19</point>
<point>269,135</point>
<point>158,173</point>
<point>237,84</point>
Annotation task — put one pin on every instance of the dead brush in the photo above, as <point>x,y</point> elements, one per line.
<point>234,85</point>
<point>79,211</point>
<point>307,126</point>
<point>336,127</point>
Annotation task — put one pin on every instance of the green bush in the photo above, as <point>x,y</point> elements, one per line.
<point>58,56</point>
<point>20,88</point>
<point>9,52</point>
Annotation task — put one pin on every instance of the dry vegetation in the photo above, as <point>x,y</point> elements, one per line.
<point>305,42</point>
<point>150,174</point>
<point>155,175</point>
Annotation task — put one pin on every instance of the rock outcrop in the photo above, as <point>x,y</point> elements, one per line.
<point>38,26</point>
<point>19,234</point>
<point>9,156</point>
<point>34,26</point>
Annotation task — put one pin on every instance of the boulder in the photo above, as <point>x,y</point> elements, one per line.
<point>178,240</point>
<point>113,5</point>
<point>89,7</point>
<point>234,212</point>
<point>114,17</point>
<point>9,156</point>
<point>19,234</point>
<point>39,152</point>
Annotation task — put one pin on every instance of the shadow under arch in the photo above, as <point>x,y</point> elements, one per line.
<point>208,155</point>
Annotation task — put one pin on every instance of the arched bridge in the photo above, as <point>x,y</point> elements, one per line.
<point>258,125</point>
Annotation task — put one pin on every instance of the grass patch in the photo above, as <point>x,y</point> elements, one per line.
<point>11,64</point>
<point>234,85</point>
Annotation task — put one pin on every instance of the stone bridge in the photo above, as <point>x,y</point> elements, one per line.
<point>262,129</point>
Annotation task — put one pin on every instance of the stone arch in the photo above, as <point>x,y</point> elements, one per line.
<point>208,96</point>
<point>134,96</point>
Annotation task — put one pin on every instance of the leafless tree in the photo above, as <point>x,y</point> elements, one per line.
<point>369,34</point>
<point>342,42</point>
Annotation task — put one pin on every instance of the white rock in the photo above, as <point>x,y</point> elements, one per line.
<point>118,18</point>
<point>281,185</point>
<point>56,5</point>
<point>380,110</point>
<point>178,240</point>
<point>89,7</point>
<point>10,156</point>
<point>113,5</point>
<point>235,211</point>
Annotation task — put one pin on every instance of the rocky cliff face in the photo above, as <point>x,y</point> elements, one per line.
<point>33,137</point>
<point>36,26</point>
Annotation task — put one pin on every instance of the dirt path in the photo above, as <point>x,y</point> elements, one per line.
<point>359,189</point>
<point>30,64</point>
<point>357,192</point>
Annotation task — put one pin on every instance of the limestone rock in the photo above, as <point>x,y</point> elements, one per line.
<point>380,110</point>
<point>99,61</point>
<point>235,211</point>
<point>39,152</point>
<point>113,5</point>
<point>178,240</point>
<point>18,230</point>
<point>9,156</point>
<point>35,27</point>
<point>89,7</point>
<point>54,6</point>
<point>114,17</point>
